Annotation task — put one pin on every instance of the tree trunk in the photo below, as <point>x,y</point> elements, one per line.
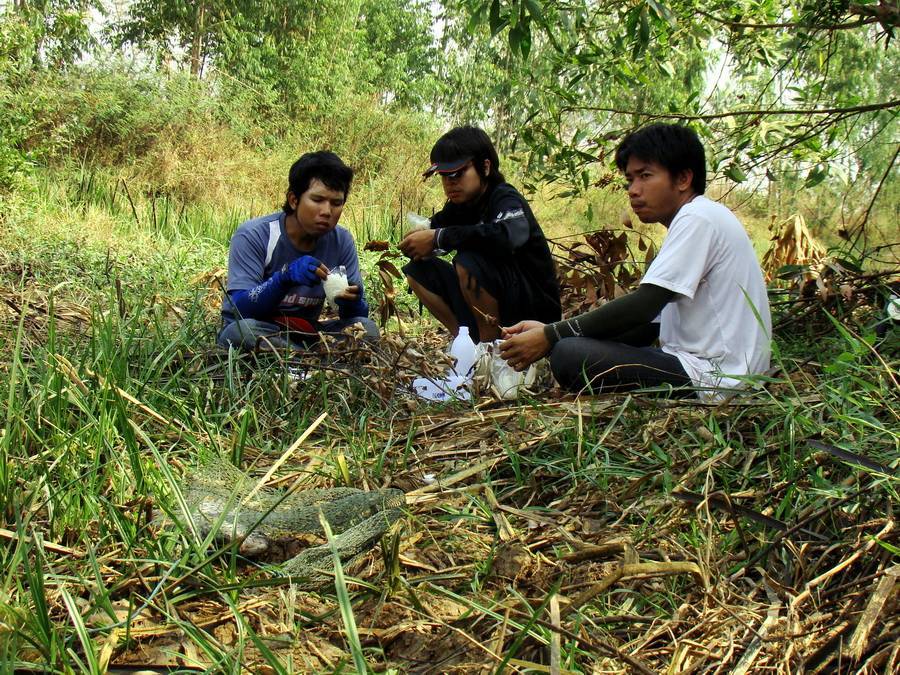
<point>197,41</point>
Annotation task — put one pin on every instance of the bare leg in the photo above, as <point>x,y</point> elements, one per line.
<point>435,304</point>
<point>482,305</point>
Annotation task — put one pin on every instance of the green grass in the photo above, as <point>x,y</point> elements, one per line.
<point>85,471</point>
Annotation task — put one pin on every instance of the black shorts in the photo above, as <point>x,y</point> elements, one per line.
<point>500,278</point>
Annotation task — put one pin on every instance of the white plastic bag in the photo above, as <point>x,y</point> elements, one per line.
<point>416,222</point>
<point>451,387</point>
<point>506,383</point>
<point>495,376</point>
<point>335,283</point>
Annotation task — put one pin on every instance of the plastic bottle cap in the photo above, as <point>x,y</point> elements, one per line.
<point>463,330</point>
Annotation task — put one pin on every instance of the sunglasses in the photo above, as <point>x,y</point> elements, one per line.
<point>454,175</point>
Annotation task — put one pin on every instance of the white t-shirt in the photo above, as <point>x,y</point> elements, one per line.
<point>718,324</point>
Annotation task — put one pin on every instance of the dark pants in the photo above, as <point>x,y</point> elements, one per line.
<point>499,277</point>
<point>617,365</point>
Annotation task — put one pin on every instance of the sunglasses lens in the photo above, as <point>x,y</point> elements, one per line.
<point>454,175</point>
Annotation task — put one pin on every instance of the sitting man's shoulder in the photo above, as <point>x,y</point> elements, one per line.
<point>705,208</point>
<point>704,212</point>
<point>342,233</point>
<point>261,225</point>
<point>506,203</point>
<point>504,192</point>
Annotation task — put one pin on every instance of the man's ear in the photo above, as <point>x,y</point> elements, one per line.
<point>684,179</point>
<point>292,200</point>
<point>487,168</point>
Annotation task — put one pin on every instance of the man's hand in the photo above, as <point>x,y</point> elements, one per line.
<point>524,344</point>
<point>419,244</point>
<point>306,270</point>
<point>350,294</point>
<point>350,304</point>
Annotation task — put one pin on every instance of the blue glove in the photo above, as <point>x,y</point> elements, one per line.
<point>302,271</point>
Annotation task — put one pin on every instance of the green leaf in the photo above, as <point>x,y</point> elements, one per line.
<point>535,10</point>
<point>790,271</point>
<point>735,173</point>
<point>87,644</point>
<point>525,43</point>
<point>849,265</point>
<point>343,596</point>
<point>644,34</point>
<point>663,12</point>
<point>886,546</point>
<point>496,20</point>
<point>477,18</point>
<point>816,176</point>
<point>515,38</point>
<point>631,19</point>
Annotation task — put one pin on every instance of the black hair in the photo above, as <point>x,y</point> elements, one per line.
<point>324,165</point>
<point>676,148</point>
<point>469,142</point>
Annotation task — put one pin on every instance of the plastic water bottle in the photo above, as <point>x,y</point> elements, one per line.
<point>463,351</point>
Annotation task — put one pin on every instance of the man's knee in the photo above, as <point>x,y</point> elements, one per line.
<point>571,358</point>
<point>566,363</point>
<point>414,285</point>
<point>418,269</point>
<point>244,333</point>
<point>464,276</point>
<point>468,268</point>
<point>371,328</point>
<point>423,276</point>
<point>467,263</point>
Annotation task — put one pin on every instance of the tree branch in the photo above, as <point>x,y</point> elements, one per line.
<point>861,228</point>
<point>775,26</point>
<point>886,105</point>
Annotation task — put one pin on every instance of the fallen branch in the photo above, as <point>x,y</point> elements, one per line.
<point>50,546</point>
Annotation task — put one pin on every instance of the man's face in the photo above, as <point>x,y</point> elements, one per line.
<point>318,209</point>
<point>655,194</point>
<point>464,185</point>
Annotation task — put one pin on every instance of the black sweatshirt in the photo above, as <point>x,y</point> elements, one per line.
<point>500,225</point>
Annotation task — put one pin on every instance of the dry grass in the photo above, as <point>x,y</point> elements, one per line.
<point>656,529</point>
<point>620,533</point>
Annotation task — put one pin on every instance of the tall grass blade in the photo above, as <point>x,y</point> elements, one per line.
<point>340,587</point>
<point>92,666</point>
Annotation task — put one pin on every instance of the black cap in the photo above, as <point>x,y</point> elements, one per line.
<point>446,167</point>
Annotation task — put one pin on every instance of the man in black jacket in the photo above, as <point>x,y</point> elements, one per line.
<point>502,272</point>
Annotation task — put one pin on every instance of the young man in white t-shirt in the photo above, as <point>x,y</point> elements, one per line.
<point>705,289</point>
